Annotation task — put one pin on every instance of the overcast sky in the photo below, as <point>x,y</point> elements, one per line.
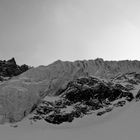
<point>39,32</point>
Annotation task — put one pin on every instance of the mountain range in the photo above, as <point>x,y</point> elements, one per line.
<point>63,90</point>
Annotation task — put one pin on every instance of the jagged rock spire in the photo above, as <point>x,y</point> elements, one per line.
<point>11,61</point>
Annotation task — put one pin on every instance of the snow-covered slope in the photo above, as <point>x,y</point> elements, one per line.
<point>122,125</point>
<point>21,95</point>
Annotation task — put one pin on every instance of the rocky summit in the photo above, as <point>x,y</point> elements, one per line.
<point>63,90</point>
<point>9,69</point>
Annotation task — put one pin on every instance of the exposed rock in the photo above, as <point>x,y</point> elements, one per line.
<point>138,96</point>
<point>83,96</point>
<point>9,69</point>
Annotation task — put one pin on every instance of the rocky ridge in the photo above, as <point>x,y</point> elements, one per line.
<point>98,83</point>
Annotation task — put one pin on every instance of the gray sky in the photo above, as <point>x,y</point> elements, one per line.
<point>39,32</point>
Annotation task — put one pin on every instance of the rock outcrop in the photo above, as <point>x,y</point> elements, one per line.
<point>82,97</point>
<point>9,69</point>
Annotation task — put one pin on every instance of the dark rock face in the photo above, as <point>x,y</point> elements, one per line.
<point>85,96</point>
<point>10,68</point>
<point>92,88</point>
<point>138,96</point>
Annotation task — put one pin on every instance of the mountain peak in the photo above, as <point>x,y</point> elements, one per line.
<point>11,61</point>
<point>99,59</point>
